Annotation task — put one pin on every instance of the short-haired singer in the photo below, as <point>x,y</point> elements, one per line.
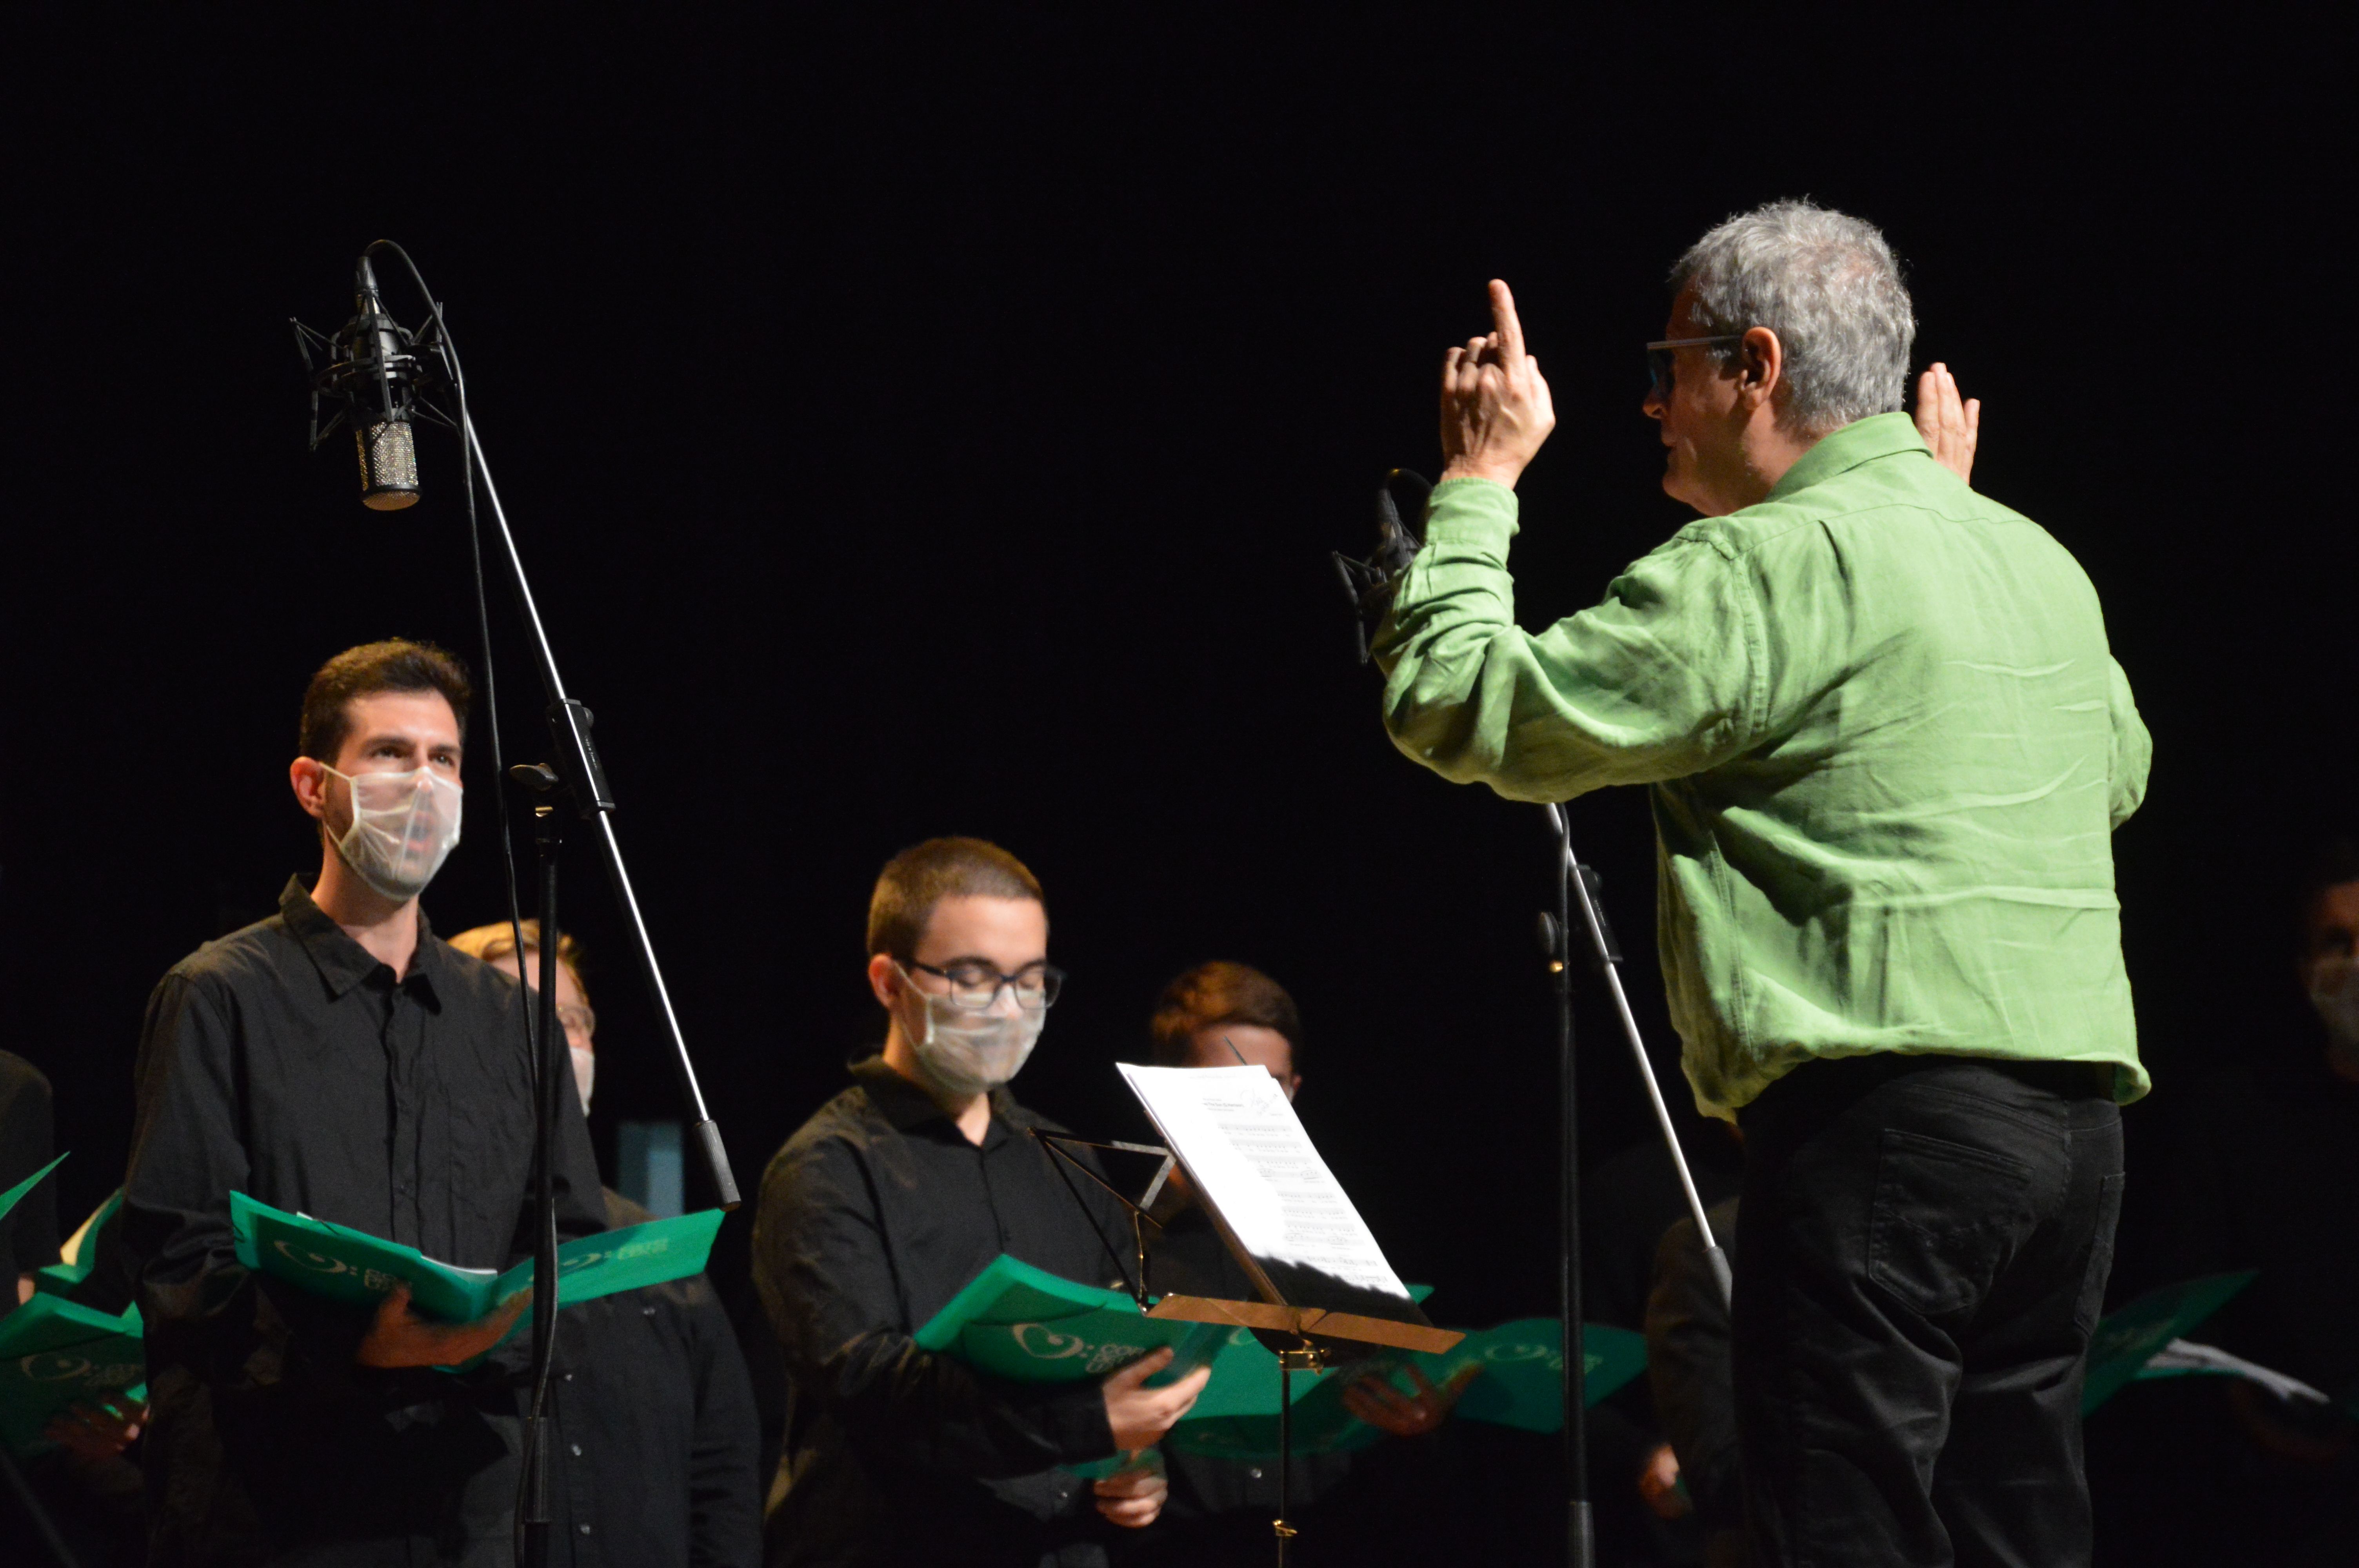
<point>885,1203</point>
<point>339,1060</point>
<point>1887,745</point>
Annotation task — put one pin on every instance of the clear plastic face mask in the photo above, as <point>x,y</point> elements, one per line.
<point>403,827</point>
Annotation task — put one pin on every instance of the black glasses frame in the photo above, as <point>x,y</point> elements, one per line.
<point>1662,360</point>
<point>1052,981</point>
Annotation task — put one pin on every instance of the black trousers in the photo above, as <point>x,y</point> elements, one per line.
<point>1922,1254</point>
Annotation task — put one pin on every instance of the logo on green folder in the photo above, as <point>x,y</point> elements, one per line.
<point>1042,1343</point>
<point>650,1248</point>
<point>58,1367</point>
<point>320,1263</point>
<point>1516,1355</point>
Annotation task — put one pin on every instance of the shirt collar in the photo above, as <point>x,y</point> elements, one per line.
<point>343,963</point>
<point>1861,441</point>
<point>908,1107</point>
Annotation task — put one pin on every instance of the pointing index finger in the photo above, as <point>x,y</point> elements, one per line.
<point>1503,321</point>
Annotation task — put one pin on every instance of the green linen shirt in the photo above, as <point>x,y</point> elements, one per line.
<point>1887,744</point>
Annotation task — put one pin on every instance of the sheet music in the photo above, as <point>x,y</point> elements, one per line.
<point>1238,1138</point>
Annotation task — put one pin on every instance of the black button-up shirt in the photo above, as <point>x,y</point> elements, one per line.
<point>286,1062</point>
<point>653,1454</point>
<point>872,1218</point>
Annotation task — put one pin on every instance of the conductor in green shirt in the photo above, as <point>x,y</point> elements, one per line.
<point>1887,746</point>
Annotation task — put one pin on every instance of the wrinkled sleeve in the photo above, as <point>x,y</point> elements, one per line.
<point>203,1309</point>
<point>2133,747</point>
<point>826,1281</point>
<point>1656,682</point>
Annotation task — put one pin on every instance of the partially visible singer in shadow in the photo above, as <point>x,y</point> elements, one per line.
<point>653,1451</point>
<point>1887,744</point>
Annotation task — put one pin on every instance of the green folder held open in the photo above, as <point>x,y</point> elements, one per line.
<point>54,1352</point>
<point>1521,1386</point>
<point>2129,1339</point>
<point>1026,1325</point>
<point>346,1265</point>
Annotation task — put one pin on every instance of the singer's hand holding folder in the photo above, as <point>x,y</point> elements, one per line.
<point>351,1266</point>
<point>1028,1325</point>
<point>54,1353</point>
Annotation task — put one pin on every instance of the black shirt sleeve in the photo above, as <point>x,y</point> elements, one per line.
<point>202,1307</point>
<point>827,1282</point>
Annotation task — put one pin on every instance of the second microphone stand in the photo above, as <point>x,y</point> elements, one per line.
<point>1577,886</point>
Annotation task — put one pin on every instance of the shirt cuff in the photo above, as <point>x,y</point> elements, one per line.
<point>1475,513</point>
<point>1073,1419</point>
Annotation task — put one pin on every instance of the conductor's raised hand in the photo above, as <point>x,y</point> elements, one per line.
<point>400,1337</point>
<point>1140,1415</point>
<point>1495,409</point>
<point>1951,427</point>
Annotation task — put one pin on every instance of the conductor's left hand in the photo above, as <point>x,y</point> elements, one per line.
<point>1951,425</point>
<point>1134,1496</point>
<point>1495,409</point>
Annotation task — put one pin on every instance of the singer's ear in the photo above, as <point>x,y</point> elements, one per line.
<point>310,783</point>
<point>884,978</point>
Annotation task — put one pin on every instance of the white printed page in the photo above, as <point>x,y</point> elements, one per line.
<point>1247,1153</point>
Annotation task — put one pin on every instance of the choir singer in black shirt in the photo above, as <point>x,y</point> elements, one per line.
<point>339,1060</point>
<point>884,1204</point>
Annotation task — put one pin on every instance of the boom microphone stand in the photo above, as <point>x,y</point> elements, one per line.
<point>377,369</point>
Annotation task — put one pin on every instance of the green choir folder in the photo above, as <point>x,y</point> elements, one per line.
<point>2129,1339</point>
<point>346,1265</point>
<point>1024,1324</point>
<point>54,1353</point>
<point>1521,1386</point>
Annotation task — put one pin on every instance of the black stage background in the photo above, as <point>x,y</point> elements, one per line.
<point>919,429</point>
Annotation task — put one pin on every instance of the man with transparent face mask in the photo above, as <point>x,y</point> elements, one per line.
<point>342,1061</point>
<point>887,1202</point>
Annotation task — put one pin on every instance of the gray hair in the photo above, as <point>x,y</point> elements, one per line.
<point>1829,286</point>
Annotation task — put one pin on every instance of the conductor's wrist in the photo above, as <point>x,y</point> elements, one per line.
<point>1499,473</point>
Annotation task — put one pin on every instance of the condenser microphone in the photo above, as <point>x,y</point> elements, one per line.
<point>374,372</point>
<point>381,376</point>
